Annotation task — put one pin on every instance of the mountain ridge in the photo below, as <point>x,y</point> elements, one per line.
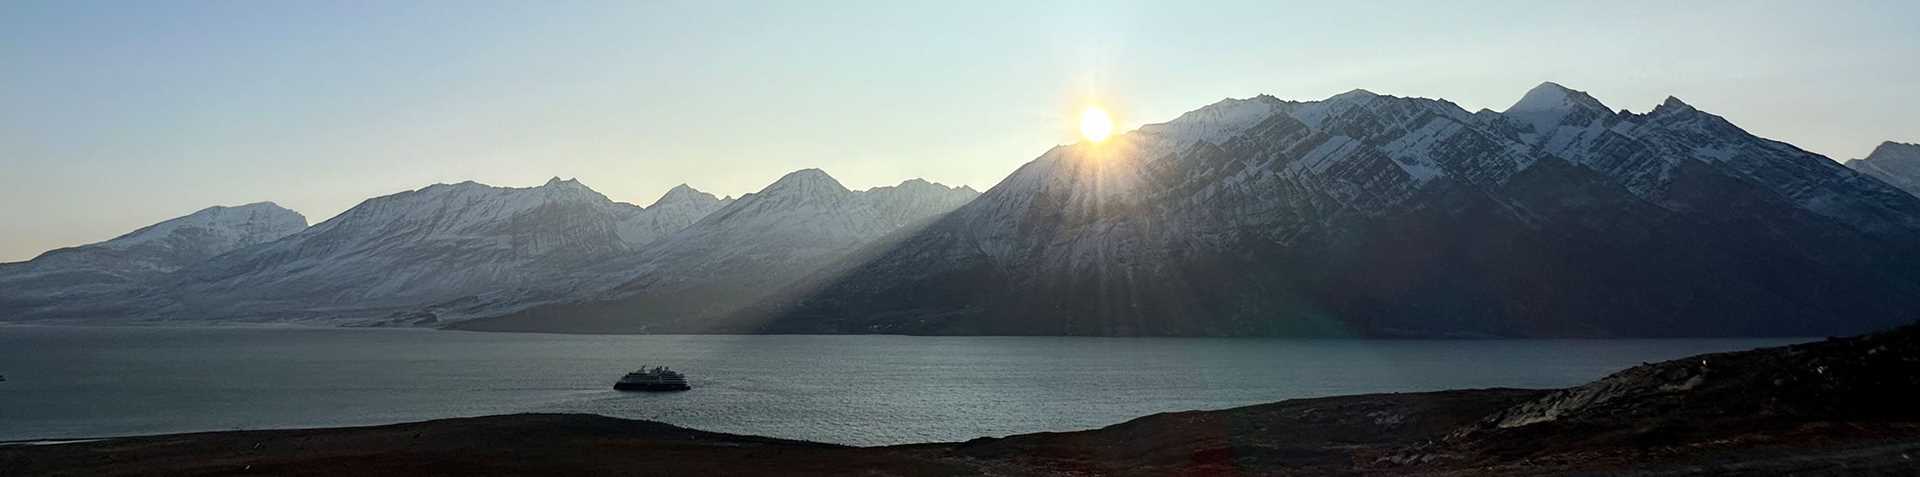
<point>1376,215</point>
<point>1361,214</point>
<point>737,255</point>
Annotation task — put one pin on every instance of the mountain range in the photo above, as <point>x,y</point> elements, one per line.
<point>1374,215</point>
<point>1357,215</point>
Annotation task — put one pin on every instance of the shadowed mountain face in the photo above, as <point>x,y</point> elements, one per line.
<point>1896,163</point>
<point>106,278</point>
<point>1377,215</point>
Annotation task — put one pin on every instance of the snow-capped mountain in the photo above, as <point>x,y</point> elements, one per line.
<point>680,207</point>
<point>1898,164</point>
<point>451,245</point>
<point>1368,214</point>
<point>1649,152</point>
<point>76,282</point>
<point>738,254</point>
<point>1360,214</point>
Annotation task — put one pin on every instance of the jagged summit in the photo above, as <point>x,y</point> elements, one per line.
<point>572,187</point>
<point>1672,105</point>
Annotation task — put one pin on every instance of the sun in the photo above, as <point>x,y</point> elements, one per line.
<point>1095,124</point>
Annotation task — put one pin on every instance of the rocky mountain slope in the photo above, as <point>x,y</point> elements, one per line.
<point>1841,392</point>
<point>740,253</point>
<point>1366,214</point>
<point>1896,163</point>
<point>104,279</point>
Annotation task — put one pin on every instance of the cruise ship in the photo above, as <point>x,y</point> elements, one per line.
<point>653,379</point>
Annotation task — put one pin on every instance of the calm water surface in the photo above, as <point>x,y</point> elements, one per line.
<point>90,382</point>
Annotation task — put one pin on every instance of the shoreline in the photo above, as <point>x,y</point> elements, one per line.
<point>1840,406</point>
<point>219,325</point>
<point>1369,434</point>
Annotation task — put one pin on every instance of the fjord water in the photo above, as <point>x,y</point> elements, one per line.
<point>90,382</point>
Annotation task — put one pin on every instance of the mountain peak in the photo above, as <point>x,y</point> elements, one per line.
<point>251,223</point>
<point>1896,149</point>
<point>1673,104</point>
<point>1548,106</point>
<point>807,175</point>
<point>1355,93</point>
<point>922,186</point>
<point>682,194</point>
<point>1895,163</point>
<point>265,205</point>
<point>1551,96</point>
<point>556,181</point>
<point>808,181</point>
<point>1212,123</point>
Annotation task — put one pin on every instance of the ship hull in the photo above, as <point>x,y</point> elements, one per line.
<point>651,386</point>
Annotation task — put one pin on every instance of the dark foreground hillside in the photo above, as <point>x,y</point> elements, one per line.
<point>1842,407</point>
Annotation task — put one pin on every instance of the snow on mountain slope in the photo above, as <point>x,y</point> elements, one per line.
<point>1648,152</point>
<point>680,207</point>
<point>751,247</point>
<point>210,231</point>
<point>1379,215</point>
<point>1211,124</point>
<point>130,262</point>
<point>1360,214</point>
<point>1549,106</point>
<point>444,242</point>
<point>1371,153</point>
<point>1897,164</point>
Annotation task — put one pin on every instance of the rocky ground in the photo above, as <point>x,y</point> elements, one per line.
<point>1848,406</point>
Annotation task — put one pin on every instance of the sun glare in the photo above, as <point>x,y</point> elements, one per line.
<point>1095,124</point>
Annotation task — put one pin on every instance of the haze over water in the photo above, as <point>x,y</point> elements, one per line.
<point>67,382</point>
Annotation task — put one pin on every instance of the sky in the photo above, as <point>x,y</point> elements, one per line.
<point>115,115</point>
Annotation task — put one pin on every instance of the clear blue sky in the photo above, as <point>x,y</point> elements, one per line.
<point>118,114</point>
